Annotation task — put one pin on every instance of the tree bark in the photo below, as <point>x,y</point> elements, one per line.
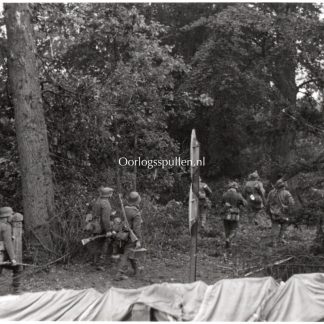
<point>31,131</point>
<point>284,77</point>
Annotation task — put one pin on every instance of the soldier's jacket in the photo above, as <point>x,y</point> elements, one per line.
<point>279,202</point>
<point>255,188</point>
<point>203,190</point>
<point>6,238</point>
<point>102,212</point>
<point>134,219</point>
<point>232,201</point>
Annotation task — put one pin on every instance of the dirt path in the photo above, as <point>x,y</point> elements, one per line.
<point>79,275</point>
<point>171,267</point>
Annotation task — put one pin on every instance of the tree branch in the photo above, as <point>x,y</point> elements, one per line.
<point>307,82</point>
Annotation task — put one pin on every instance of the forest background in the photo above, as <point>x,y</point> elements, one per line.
<point>134,80</point>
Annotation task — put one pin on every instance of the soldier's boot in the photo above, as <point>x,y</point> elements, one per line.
<point>134,265</point>
<point>121,273</point>
<point>282,234</point>
<point>227,253</point>
<point>120,276</point>
<point>16,290</point>
<point>16,280</point>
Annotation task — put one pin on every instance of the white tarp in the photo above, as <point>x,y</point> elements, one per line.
<point>301,298</point>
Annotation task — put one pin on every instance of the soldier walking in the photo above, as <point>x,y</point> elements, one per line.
<point>254,194</point>
<point>279,204</point>
<point>134,219</point>
<point>7,252</point>
<point>204,202</point>
<point>101,213</point>
<point>232,201</point>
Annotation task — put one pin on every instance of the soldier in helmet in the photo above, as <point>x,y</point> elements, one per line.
<point>254,194</point>
<point>204,202</point>
<point>232,201</point>
<point>279,205</point>
<point>7,252</point>
<point>134,218</point>
<point>101,213</point>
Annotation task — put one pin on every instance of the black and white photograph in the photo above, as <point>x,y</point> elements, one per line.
<point>162,161</point>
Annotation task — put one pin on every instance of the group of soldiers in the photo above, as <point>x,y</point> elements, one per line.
<point>123,236</point>
<point>276,206</point>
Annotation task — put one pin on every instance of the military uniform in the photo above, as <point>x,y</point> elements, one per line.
<point>204,202</point>
<point>232,201</point>
<point>254,194</point>
<point>7,252</point>
<point>118,230</point>
<point>101,213</point>
<point>134,219</point>
<point>279,204</point>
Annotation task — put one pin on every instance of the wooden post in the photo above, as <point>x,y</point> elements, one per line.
<point>194,205</point>
<point>135,165</point>
<point>17,232</point>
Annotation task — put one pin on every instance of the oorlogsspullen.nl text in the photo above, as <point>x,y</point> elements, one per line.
<point>162,163</point>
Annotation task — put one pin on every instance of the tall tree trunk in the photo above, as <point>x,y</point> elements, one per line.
<point>31,131</point>
<point>284,77</point>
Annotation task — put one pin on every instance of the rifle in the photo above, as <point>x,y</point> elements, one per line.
<point>132,235</point>
<point>92,238</point>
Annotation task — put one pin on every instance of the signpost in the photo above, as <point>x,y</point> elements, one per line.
<point>194,204</point>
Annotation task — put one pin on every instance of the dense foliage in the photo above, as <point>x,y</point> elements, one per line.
<point>123,80</point>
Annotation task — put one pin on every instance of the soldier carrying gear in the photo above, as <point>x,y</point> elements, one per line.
<point>120,236</point>
<point>204,202</point>
<point>7,252</point>
<point>232,201</point>
<point>279,204</point>
<point>134,219</point>
<point>254,192</point>
<point>101,213</point>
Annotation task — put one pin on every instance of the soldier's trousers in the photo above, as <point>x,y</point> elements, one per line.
<point>259,218</point>
<point>278,230</point>
<point>204,206</point>
<point>99,250</point>
<point>230,227</point>
<point>127,256</point>
<point>203,218</point>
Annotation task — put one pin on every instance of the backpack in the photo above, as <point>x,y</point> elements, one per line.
<point>253,196</point>
<point>278,210</point>
<point>255,201</point>
<point>202,192</point>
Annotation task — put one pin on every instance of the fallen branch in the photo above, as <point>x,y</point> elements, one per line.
<point>269,265</point>
<point>17,264</point>
<point>42,244</point>
<point>222,267</point>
